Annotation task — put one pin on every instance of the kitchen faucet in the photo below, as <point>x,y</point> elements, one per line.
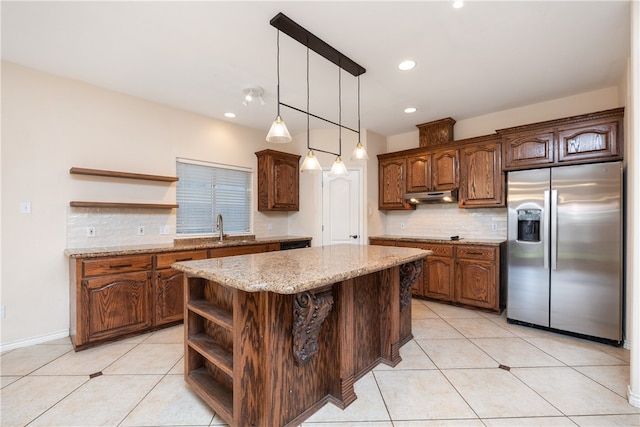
<point>220,226</point>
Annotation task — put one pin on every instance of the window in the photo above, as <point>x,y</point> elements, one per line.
<point>206,190</point>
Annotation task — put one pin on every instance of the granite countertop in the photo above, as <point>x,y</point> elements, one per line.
<point>298,270</point>
<point>177,245</point>
<point>421,239</point>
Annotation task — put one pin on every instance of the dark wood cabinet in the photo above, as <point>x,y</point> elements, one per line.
<point>482,180</point>
<point>113,297</point>
<point>419,173</point>
<point>168,286</point>
<point>467,274</point>
<point>392,184</point>
<point>438,270</point>
<point>432,171</point>
<point>445,170</point>
<point>578,139</point>
<point>278,181</point>
<point>477,276</point>
<point>97,283</point>
<point>243,250</point>
<point>129,292</point>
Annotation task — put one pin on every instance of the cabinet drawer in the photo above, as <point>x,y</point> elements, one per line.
<point>165,260</point>
<point>100,266</point>
<point>476,252</point>
<point>382,242</point>
<point>243,250</point>
<point>439,250</point>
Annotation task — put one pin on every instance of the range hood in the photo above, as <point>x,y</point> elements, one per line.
<point>448,196</point>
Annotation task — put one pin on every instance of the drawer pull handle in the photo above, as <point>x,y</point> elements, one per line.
<point>120,266</point>
<point>474,253</point>
<point>184,259</point>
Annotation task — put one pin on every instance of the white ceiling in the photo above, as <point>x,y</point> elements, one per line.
<point>199,56</point>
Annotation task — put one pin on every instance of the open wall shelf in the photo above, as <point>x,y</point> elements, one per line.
<point>126,175</point>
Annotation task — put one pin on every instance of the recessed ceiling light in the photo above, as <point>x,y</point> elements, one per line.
<point>457,4</point>
<point>410,110</point>
<point>407,65</point>
<point>230,115</point>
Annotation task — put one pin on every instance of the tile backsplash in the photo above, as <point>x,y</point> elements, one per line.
<point>118,227</point>
<point>446,220</point>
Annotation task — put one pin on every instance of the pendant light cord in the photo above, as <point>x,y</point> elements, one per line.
<point>278,69</point>
<point>308,133</point>
<point>339,111</point>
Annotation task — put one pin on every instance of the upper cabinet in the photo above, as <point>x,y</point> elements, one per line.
<point>432,171</point>
<point>577,139</point>
<point>482,178</point>
<point>392,183</point>
<point>278,181</point>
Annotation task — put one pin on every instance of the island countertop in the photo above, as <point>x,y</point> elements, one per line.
<point>299,270</point>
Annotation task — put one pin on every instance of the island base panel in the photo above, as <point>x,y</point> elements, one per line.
<point>247,369</point>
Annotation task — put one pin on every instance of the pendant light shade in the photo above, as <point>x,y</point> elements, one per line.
<point>278,133</point>
<point>311,163</point>
<point>338,168</point>
<point>359,153</point>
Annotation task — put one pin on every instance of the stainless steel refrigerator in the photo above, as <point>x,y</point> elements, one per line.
<point>565,249</point>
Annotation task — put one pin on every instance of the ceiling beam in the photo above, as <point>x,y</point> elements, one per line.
<point>300,34</point>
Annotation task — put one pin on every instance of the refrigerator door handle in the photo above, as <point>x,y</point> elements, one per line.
<point>554,229</point>
<point>545,228</point>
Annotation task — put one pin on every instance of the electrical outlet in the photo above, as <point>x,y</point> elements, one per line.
<point>140,230</point>
<point>164,229</point>
<point>402,226</point>
<point>269,226</point>
<point>494,227</point>
<point>91,232</point>
<point>25,207</point>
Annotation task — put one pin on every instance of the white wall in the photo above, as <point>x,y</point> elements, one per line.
<point>50,124</point>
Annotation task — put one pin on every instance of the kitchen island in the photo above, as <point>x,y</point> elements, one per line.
<point>270,338</point>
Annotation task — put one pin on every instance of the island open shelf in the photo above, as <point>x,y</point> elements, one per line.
<point>270,338</point>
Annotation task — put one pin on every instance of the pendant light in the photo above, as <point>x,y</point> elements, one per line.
<point>359,153</point>
<point>338,167</point>
<point>278,133</point>
<point>311,162</point>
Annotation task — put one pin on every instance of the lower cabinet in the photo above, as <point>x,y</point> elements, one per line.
<point>477,277</point>
<point>168,286</point>
<point>114,297</point>
<point>471,275</point>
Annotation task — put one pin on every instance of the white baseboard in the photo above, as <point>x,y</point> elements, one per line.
<point>634,398</point>
<point>35,340</point>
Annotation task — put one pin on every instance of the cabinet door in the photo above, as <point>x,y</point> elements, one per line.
<point>529,149</point>
<point>481,176</point>
<point>439,278</point>
<point>593,140</point>
<point>285,185</point>
<point>445,170</point>
<point>115,305</point>
<point>278,181</point>
<point>168,296</point>
<point>419,173</point>
<point>476,283</point>
<point>392,184</point>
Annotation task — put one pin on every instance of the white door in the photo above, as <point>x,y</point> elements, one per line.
<point>341,209</point>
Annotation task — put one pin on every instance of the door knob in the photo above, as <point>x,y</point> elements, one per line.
<point>353,236</point>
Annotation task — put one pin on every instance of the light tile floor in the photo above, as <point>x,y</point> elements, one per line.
<point>449,376</point>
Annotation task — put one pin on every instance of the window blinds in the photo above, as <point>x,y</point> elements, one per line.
<point>206,190</point>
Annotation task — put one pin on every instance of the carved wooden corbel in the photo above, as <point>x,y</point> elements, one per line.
<point>409,273</point>
<point>309,311</point>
